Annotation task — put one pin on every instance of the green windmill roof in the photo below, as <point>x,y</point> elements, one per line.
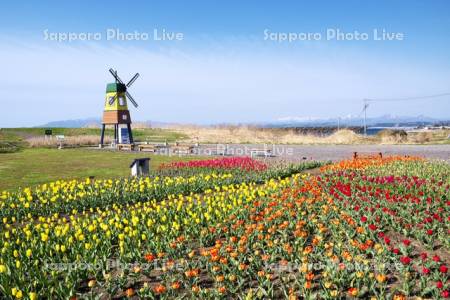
<point>116,87</point>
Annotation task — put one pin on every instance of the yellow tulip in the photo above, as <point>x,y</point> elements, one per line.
<point>44,237</point>
<point>91,283</point>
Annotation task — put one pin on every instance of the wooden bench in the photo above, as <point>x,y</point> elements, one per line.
<point>128,147</point>
<point>147,148</point>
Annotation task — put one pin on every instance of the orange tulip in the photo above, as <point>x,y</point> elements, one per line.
<point>129,293</point>
<point>176,285</point>
<point>309,276</point>
<point>353,291</point>
<point>159,289</point>
<point>307,285</point>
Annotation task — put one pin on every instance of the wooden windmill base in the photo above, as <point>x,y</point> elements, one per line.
<point>116,133</point>
<point>112,117</point>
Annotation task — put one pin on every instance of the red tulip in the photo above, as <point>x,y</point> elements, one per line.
<point>405,260</point>
<point>443,269</point>
<point>243,163</point>
<point>149,257</point>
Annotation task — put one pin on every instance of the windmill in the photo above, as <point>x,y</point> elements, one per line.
<point>116,109</point>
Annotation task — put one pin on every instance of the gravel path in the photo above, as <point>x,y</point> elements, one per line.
<point>335,152</point>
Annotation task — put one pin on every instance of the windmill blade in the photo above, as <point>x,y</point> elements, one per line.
<point>131,99</point>
<point>114,74</point>
<point>132,80</point>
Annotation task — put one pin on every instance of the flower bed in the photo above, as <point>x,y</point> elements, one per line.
<point>240,163</point>
<point>373,231</point>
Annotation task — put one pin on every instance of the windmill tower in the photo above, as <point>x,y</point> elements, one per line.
<point>116,109</point>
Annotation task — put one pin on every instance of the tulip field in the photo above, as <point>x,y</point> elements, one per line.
<point>234,228</point>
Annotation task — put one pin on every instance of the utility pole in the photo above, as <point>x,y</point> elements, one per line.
<point>365,122</point>
<point>339,123</point>
<point>366,104</point>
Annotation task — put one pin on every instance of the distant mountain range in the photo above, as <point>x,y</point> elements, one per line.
<point>381,121</point>
<point>91,122</point>
<point>73,123</point>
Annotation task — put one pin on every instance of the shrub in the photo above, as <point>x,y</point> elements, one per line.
<point>392,136</point>
<point>423,137</point>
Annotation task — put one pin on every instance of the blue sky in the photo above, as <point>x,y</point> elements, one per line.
<point>224,70</point>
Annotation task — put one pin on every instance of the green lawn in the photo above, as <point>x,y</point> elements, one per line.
<point>35,166</point>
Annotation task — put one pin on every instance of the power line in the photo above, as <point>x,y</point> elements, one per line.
<point>409,98</point>
<point>366,103</point>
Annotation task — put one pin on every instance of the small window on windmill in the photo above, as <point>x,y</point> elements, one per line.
<point>122,101</point>
<point>111,100</point>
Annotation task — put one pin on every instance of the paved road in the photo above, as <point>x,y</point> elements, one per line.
<point>336,152</point>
